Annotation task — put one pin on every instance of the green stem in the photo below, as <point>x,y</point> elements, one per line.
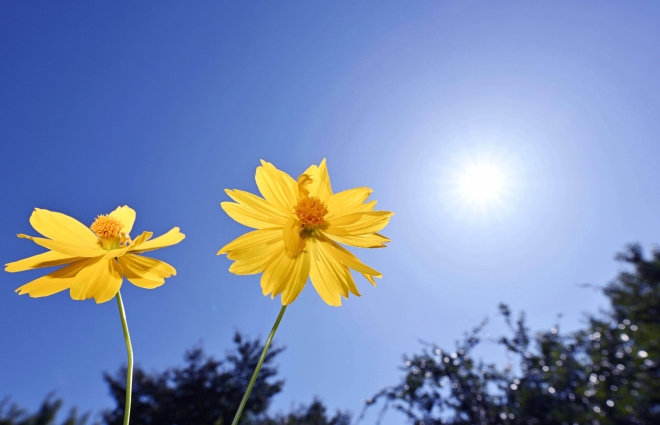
<point>258,368</point>
<point>129,368</point>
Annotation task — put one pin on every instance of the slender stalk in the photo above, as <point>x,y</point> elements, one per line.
<point>129,368</point>
<point>258,368</point>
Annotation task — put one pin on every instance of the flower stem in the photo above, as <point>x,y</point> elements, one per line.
<point>129,368</point>
<point>258,368</point>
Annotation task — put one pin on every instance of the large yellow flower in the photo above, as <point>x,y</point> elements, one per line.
<point>98,256</point>
<point>299,224</point>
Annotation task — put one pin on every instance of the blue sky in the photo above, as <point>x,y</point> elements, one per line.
<point>163,105</point>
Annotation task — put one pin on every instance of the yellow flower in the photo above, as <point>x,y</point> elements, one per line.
<point>97,257</point>
<point>299,224</point>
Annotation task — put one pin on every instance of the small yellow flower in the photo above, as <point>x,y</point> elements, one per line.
<point>97,257</point>
<point>299,224</point>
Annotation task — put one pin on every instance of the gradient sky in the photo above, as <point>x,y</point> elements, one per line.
<point>163,105</point>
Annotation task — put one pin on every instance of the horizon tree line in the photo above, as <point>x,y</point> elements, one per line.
<point>607,373</point>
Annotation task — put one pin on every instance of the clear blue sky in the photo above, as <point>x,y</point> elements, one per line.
<point>162,105</point>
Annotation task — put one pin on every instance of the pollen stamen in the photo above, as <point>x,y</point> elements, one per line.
<point>108,229</point>
<point>311,211</point>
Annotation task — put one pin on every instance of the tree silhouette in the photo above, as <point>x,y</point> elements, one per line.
<point>11,414</point>
<point>605,374</point>
<point>204,391</point>
<point>313,414</point>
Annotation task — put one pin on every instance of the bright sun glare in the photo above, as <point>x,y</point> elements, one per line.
<point>482,186</point>
<point>481,183</point>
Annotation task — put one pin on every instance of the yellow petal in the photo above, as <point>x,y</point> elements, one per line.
<point>109,283</point>
<point>304,180</point>
<point>262,210</point>
<point>255,264</point>
<point>55,282</point>
<point>277,187</point>
<point>320,185</point>
<point>370,240</point>
<point>358,223</point>
<point>347,202</point>
<point>291,236</point>
<point>126,216</point>
<point>47,259</point>
<point>116,253</point>
<point>329,277</point>
<point>370,278</point>
<point>151,265</point>
<point>346,258</point>
<point>142,238</point>
<point>286,274</point>
<point>135,246</point>
<point>248,217</point>
<point>253,211</point>
<point>297,279</point>
<point>251,240</point>
<point>94,280</point>
<point>252,250</point>
<point>289,182</point>
<point>336,274</point>
<point>61,227</point>
<point>145,272</point>
<point>369,206</point>
<point>279,265</point>
<point>174,236</point>
<point>68,248</point>
<point>309,172</point>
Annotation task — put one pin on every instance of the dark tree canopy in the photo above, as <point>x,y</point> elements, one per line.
<point>312,414</point>
<point>204,391</point>
<point>11,414</point>
<point>605,374</point>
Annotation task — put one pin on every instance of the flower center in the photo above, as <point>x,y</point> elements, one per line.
<point>108,229</point>
<point>310,211</point>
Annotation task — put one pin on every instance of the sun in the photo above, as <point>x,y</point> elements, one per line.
<point>481,183</point>
<point>482,186</point>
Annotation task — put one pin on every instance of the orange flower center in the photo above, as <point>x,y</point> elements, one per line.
<point>108,229</point>
<point>310,211</point>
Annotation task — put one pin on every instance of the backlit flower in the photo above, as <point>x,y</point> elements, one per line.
<point>97,256</point>
<point>299,224</point>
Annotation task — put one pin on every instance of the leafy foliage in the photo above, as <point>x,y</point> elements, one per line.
<point>313,414</point>
<point>605,374</point>
<point>204,391</point>
<point>11,414</point>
